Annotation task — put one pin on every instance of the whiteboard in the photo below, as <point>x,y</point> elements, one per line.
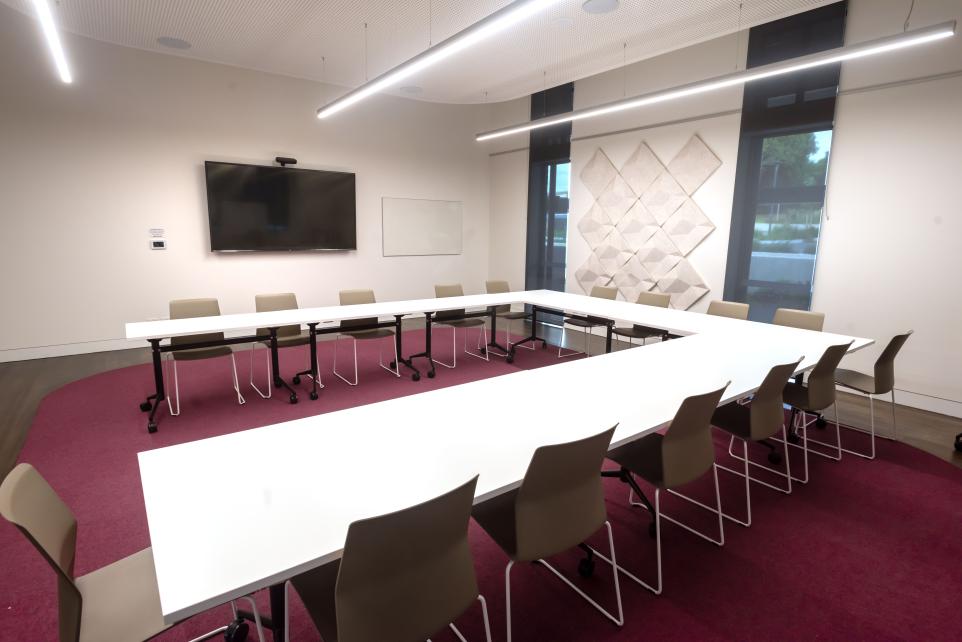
<point>417,227</point>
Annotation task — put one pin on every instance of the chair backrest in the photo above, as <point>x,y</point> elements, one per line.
<point>406,575</point>
<point>730,309</point>
<point>885,364</point>
<point>442,291</point>
<point>273,303</point>
<point>561,500</point>
<point>189,309</point>
<point>28,502</point>
<point>821,381</point>
<point>356,297</point>
<point>498,287</point>
<point>687,449</point>
<point>801,319</point>
<point>656,299</point>
<point>604,292</point>
<point>766,411</point>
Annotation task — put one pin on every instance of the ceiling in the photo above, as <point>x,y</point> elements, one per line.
<point>324,40</point>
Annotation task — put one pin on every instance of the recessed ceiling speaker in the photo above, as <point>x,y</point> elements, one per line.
<point>173,43</point>
<point>597,7</point>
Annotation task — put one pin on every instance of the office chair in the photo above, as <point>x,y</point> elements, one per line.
<point>287,336</point>
<point>188,309</point>
<point>454,319</point>
<point>883,382</point>
<point>586,323</point>
<point>559,505</point>
<point>115,603</point>
<point>729,309</point>
<point>505,312</point>
<point>403,576</point>
<point>801,319</point>
<point>356,297</point>
<point>655,299</point>
<point>683,454</point>
<point>757,422</point>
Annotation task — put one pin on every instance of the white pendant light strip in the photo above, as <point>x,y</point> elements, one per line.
<point>849,52</point>
<point>53,39</point>
<point>492,25</point>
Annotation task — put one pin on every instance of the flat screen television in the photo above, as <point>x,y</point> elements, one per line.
<point>254,207</point>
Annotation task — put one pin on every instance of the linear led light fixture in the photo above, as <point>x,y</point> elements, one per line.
<point>482,30</point>
<point>849,52</point>
<point>53,39</point>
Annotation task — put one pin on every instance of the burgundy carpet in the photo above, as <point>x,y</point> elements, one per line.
<point>869,550</point>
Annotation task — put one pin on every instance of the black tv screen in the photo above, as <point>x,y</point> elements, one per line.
<point>253,207</point>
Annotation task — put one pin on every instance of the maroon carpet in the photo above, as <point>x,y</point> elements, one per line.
<point>868,550</point>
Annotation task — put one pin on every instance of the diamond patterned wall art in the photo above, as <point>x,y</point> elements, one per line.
<point>591,273</point>
<point>641,169</point>
<point>683,284</point>
<point>595,226</point>
<point>637,226</point>
<point>617,199</point>
<point>598,173</point>
<point>688,227</point>
<point>659,255</point>
<point>613,253</point>
<point>632,279</point>
<point>692,166</point>
<point>663,197</point>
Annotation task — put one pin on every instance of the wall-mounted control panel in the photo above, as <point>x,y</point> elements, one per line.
<point>158,244</point>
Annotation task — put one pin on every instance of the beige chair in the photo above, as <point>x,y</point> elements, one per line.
<point>357,297</point>
<point>586,323</point>
<point>683,454</point>
<point>454,320</point>
<point>287,336</point>
<point>559,505</point>
<point>811,398</point>
<point>883,382</point>
<point>729,309</point>
<point>115,603</point>
<point>757,422</point>
<point>189,309</point>
<point>801,319</point>
<point>655,299</point>
<point>403,576</point>
<point>505,312</point>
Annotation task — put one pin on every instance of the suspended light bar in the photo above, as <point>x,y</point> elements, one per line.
<point>482,30</point>
<point>53,39</point>
<point>850,52</point>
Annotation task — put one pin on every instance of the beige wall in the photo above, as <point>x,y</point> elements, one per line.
<point>87,169</point>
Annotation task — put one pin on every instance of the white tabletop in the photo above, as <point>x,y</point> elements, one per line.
<point>312,477</point>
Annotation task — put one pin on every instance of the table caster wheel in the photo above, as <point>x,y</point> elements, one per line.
<point>431,374</point>
<point>820,422</point>
<point>416,376</point>
<point>151,427</point>
<point>775,458</point>
<point>313,396</point>
<point>792,438</point>
<point>293,398</point>
<point>544,345</point>
<point>586,567</point>
<point>509,358</point>
<point>652,530</point>
<point>393,365</point>
<point>236,631</point>
<point>958,442</point>
<point>145,406</point>
<point>296,379</point>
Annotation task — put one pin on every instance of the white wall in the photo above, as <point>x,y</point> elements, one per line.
<point>86,169</point>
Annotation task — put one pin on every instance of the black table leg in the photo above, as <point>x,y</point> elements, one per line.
<point>493,343</point>
<point>409,361</point>
<point>399,350</point>
<point>611,327</point>
<point>533,337</point>
<point>153,401</point>
<point>277,612</point>
<point>276,367</point>
<point>312,331</point>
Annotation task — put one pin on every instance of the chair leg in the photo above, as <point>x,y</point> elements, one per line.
<point>269,392</point>
<point>396,370</point>
<point>871,432</point>
<point>240,398</point>
<point>175,408</point>
<point>837,446</point>
<point>337,342</point>
<point>717,510</point>
<point>748,491</point>
<point>788,465</point>
<point>454,349</point>
<point>895,432</point>
<point>571,353</point>
<point>223,629</point>
<point>482,352</point>
<point>526,346</point>
<point>507,597</point>
<point>657,524</point>
<point>487,624</point>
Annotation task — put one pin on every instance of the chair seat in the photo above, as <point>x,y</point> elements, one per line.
<point>734,419</point>
<point>796,396</point>
<point>856,381</point>
<point>637,332</point>
<point>316,588</point>
<point>497,517</point>
<point>642,457</point>
<point>121,602</point>
<point>362,335</point>
<point>195,354</point>
<point>301,339</point>
<point>513,316</point>
<point>584,323</point>
<point>462,323</point>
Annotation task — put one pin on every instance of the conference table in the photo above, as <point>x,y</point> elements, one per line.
<point>312,477</point>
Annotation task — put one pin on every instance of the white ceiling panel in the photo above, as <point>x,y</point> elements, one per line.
<point>325,40</point>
